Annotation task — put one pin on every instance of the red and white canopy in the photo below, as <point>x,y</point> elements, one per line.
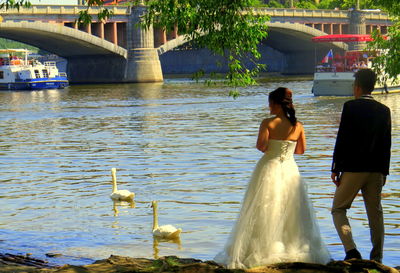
<point>342,38</point>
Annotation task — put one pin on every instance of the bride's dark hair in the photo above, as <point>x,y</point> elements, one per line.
<point>283,97</point>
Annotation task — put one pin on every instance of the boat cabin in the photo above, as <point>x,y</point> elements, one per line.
<point>350,61</point>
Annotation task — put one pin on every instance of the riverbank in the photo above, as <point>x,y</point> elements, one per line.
<point>264,77</point>
<point>117,264</point>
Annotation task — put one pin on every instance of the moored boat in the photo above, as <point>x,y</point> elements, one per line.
<point>334,76</point>
<point>19,73</point>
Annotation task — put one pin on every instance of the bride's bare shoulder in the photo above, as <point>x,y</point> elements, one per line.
<point>268,123</point>
<point>269,120</point>
<point>299,127</point>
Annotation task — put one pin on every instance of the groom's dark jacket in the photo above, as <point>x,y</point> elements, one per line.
<point>364,137</point>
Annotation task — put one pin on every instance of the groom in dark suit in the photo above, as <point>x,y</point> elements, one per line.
<point>361,162</point>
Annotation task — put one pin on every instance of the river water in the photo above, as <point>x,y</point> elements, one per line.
<point>187,145</point>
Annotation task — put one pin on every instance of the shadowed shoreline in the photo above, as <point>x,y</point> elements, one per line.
<point>10,263</point>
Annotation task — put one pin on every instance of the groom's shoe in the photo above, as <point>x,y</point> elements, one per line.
<point>352,254</point>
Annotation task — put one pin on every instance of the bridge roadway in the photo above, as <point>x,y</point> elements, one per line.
<point>117,51</point>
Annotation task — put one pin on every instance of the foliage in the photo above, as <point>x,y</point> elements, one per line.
<point>6,43</point>
<point>371,4</point>
<point>305,5</point>
<point>347,4</point>
<point>163,264</point>
<point>226,27</point>
<point>172,261</point>
<point>275,4</point>
<point>257,3</point>
<point>330,4</point>
<point>388,62</point>
<point>392,6</point>
<point>14,4</point>
<point>85,18</point>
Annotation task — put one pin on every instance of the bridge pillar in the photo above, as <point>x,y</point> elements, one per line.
<point>357,26</point>
<point>96,69</point>
<point>143,64</point>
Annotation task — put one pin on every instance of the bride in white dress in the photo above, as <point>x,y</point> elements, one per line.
<point>277,221</point>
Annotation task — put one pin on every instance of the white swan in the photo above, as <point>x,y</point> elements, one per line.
<point>119,195</point>
<point>165,231</point>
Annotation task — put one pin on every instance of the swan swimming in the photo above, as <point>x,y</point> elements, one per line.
<point>119,195</point>
<point>165,231</point>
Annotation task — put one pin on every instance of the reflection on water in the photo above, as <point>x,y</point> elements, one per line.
<point>171,242</point>
<point>189,146</point>
<point>130,204</point>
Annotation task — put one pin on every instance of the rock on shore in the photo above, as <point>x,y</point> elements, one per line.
<point>117,264</point>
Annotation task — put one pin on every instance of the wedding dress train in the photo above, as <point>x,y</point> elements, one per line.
<point>277,221</point>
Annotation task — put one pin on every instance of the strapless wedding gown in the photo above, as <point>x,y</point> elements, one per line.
<point>277,221</point>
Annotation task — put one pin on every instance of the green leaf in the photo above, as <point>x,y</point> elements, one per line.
<point>103,15</point>
<point>14,4</point>
<point>226,27</point>
<point>387,51</point>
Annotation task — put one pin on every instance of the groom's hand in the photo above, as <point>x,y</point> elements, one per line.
<point>336,178</point>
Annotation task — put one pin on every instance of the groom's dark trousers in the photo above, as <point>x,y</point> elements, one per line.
<point>362,156</point>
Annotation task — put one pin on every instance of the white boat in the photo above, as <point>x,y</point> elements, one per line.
<point>19,73</point>
<point>335,76</point>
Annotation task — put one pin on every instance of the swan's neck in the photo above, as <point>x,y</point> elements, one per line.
<point>114,182</point>
<point>155,217</point>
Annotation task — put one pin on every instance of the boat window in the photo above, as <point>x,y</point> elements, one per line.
<point>1,74</point>
<point>45,73</point>
<point>37,74</point>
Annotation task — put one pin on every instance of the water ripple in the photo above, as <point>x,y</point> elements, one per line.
<point>189,146</point>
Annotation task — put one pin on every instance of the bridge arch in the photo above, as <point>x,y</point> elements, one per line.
<point>280,37</point>
<point>295,37</point>
<point>60,40</point>
<point>294,42</point>
<point>90,58</point>
<point>291,51</point>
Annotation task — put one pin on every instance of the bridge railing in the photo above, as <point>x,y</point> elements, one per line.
<point>125,10</point>
<point>318,13</point>
<point>68,10</point>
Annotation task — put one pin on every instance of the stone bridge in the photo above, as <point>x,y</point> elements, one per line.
<point>118,51</point>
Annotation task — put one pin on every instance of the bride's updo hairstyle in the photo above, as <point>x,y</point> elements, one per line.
<point>283,97</point>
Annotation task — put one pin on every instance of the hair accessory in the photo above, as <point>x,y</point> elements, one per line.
<point>288,97</point>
